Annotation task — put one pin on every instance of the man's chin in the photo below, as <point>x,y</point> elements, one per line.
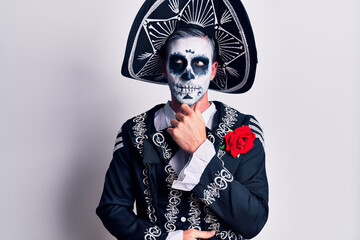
<point>187,100</point>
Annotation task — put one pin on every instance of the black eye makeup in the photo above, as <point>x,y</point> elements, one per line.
<point>177,64</point>
<point>200,65</point>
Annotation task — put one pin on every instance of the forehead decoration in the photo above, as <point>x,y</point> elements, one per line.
<point>226,21</point>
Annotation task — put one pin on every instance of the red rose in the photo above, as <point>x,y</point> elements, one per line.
<point>239,141</point>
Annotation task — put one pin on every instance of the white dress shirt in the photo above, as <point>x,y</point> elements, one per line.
<point>188,167</point>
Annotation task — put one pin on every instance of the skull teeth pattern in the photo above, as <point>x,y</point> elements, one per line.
<point>186,89</point>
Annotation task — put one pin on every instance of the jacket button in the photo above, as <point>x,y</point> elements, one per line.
<point>183,219</point>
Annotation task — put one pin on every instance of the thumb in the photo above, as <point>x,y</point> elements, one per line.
<point>205,234</point>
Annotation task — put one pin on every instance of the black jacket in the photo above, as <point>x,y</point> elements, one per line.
<point>231,197</point>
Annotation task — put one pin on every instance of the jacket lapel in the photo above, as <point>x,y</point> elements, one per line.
<point>164,145</point>
<point>151,155</point>
<point>226,119</point>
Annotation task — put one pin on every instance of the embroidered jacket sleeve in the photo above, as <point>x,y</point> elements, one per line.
<point>117,200</point>
<point>236,189</point>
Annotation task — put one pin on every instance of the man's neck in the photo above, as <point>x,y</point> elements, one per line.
<point>202,104</point>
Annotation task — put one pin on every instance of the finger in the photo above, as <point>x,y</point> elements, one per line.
<point>174,123</point>
<point>204,234</point>
<point>180,116</point>
<point>170,131</point>
<point>185,109</point>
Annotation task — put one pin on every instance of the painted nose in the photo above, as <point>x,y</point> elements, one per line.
<point>187,75</point>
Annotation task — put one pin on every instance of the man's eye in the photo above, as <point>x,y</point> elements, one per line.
<point>178,61</point>
<point>199,63</point>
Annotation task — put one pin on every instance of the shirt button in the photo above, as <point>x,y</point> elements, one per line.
<point>183,219</point>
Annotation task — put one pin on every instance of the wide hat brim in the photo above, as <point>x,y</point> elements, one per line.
<point>227,22</point>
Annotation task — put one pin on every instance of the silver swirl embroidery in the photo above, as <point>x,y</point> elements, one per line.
<point>194,212</point>
<point>221,153</point>
<point>139,131</point>
<point>211,138</point>
<point>211,219</point>
<point>148,199</point>
<point>223,177</point>
<point>228,121</point>
<point>159,140</point>
<point>214,224</point>
<point>174,200</point>
<point>221,181</point>
<point>152,233</point>
<point>231,235</point>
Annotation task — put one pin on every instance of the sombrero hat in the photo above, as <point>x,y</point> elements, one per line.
<point>227,22</point>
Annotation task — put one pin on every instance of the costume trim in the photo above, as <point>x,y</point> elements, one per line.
<point>221,181</point>
<point>174,5</point>
<point>150,210</point>
<point>223,177</point>
<point>211,219</point>
<point>119,141</point>
<point>211,137</point>
<point>228,121</point>
<point>152,233</point>
<point>202,16</point>
<point>117,147</point>
<point>253,120</point>
<point>139,132</point>
<point>255,126</point>
<point>159,141</point>
<point>131,59</point>
<point>174,200</point>
<point>194,212</point>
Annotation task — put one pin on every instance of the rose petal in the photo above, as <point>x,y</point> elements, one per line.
<point>239,141</point>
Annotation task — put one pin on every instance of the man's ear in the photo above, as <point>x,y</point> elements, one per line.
<point>163,63</point>
<point>213,71</point>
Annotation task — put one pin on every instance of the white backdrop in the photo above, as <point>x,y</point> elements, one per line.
<point>63,99</point>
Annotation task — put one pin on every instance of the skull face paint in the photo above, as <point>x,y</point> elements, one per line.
<point>189,68</point>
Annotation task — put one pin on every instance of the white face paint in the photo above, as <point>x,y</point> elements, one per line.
<point>189,68</point>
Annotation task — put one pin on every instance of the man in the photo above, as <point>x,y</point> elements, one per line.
<point>194,169</point>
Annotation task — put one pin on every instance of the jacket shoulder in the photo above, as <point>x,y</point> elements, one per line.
<point>136,128</point>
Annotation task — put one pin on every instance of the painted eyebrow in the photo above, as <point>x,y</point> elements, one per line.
<point>177,54</point>
<point>201,57</point>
